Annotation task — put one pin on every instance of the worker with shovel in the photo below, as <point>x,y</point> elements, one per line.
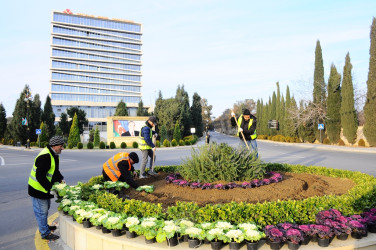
<point>246,129</point>
<point>147,146</point>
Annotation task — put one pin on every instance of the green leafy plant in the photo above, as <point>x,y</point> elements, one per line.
<point>147,189</point>
<point>112,145</point>
<point>215,162</point>
<point>102,145</point>
<point>181,142</point>
<point>80,145</point>
<point>174,143</point>
<point>123,145</point>
<point>135,144</point>
<point>166,143</point>
<point>158,143</point>
<point>90,145</point>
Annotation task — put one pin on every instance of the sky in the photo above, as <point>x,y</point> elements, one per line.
<point>226,51</point>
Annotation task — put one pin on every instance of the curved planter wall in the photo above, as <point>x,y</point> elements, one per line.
<point>79,238</point>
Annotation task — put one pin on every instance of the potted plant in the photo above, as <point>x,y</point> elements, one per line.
<point>115,224</point>
<point>370,219</point>
<point>275,235</point>
<point>215,236</point>
<point>234,237</point>
<point>252,236</point>
<point>130,224</point>
<point>149,228</point>
<point>183,224</point>
<point>294,237</point>
<point>168,231</point>
<point>358,229</point>
<point>324,234</point>
<point>306,231</point>
<point>195,236</point>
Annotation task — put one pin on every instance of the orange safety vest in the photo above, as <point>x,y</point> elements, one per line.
<point>111,166</point>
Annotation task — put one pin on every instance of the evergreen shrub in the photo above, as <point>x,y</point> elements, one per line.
<point>166,143</point>
<point>157,143</point>
<point>80,145</point>
<point>214,162</point>
<point>297,140</point>
<point>326,141</point>
<point>90,145</point>
<point>187,142</point>
<point>174,143</point>
<point>181,143</point>
<point>341,142</point>
<point>123,145</point>
<point>135,144</point>
<point>70,145</point>
<point>361,143</point>
<point>269,137</point>
<point>112,145</point>
<point>102,145</point>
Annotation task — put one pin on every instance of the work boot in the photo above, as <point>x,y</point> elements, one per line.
<point>52,228</point>
<point>51,236</point>
<point>142,176</point>
<point>151,172</point>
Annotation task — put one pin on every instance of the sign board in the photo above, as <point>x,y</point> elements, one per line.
<point>273,124</point>
<point>38,131</point>
<point>193,130</point>
<point>320,126</point>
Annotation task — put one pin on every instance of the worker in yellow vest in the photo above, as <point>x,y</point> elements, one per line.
<point>246,127</point>
<point>147,146</point>
<point>120,168</point>
<point>44,173</point>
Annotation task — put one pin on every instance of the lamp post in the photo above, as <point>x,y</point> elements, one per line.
<point>28,98</point>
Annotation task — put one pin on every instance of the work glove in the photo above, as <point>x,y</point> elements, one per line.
<point>240,130</point>
<point>232,114</point>
<point>155,135</point>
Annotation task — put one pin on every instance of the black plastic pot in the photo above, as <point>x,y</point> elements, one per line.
<point>98,227</point>
<point>216,245</point>
<point>151,241</point>
<point>323,242</point>
<point>116,232</point>
<point>252,245</point>
<point>293,246</point>
<point>342,236</point>
<point>130,235</point>
<point>173,241</point>
<point>86,224</point>
<point>105,230</point>
<point>193,243</point>
<point>306,240</point>
<point>275,245</point>
<point>356,235</point>
<point>371,228</point>
<point>234,245</point>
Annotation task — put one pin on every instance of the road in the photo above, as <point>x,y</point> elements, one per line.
<point>18,224</point>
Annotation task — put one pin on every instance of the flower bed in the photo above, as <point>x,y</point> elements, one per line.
<point>101,205</point>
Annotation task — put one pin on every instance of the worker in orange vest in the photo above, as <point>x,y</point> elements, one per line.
<point>120,168</point>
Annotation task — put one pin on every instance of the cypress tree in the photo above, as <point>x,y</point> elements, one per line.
<point>185,118</point>
<point>177,133</point>
<point>163,133</point>
<point>349,120</point>
<point>196,114</point>
<point>64,124</point>
<point>74,133</point>
<point>333,121</point>
<point>121,109</point>
<point>278,108</point>
<point>48,117</point>
<point>35,117</point>
<point>141,111</point>
<point>81,118</point>
<point>288,120</point>
<point>370,105</point>
<point>91,135</point>
<point>319,88</point>
<point>3,121</point>
<point>43,137</point>
<point>96,136</point>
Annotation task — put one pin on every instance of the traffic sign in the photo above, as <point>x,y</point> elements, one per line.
<point>38,131</point>
<point>320,126</point>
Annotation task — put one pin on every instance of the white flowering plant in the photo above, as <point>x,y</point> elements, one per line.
<point>148,227</point>
<point>114,221</point>
<point>65,204</point>
<point>167,230</point>
<point>194,233</point>
<point>215,234</point>
<point>98,212</point>
<point>224,225</point>
<point>233,235</point>
<point>82,215</point>
<point>96,187</point>
<point>60,188</point>
<point>253,235</point>
<point>146,188</point>
<point>118,185</point>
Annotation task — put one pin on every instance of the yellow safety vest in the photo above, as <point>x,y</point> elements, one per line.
<point>111,166</point>
<point>32,178</point>
<point>143,145</point>
<point>254,136</point>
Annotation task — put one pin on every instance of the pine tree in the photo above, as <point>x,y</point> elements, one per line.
<point>196,112</point>
<point>349,120</point>
<point>64,124</point>
<point>278,106</point>
<point>3,121</point>
<point>333,121</point>
<point>74,133</point>
<point>91,135</point>
<point>289,127</point>
<point>185,119</point>
<point>370,105</point>
<point>35,117</point>
<point>96,137</point>
<point>48,117</point>
<point>81,118</point>
<point>177,133</point>
<point>141,111</point>
<point>163,133</point>
<point>121,109</point>
<point>319,88</point>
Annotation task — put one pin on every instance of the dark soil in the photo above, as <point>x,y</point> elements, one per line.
<point>293,187</point>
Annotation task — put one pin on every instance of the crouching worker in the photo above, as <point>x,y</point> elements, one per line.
<point>120,168</point>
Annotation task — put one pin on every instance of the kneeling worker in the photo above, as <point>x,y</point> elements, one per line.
<point>120,168</point>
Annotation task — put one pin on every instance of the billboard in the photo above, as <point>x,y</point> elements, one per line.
<point>127,127</point>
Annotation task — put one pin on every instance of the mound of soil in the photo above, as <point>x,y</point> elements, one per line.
<point>293,187</point>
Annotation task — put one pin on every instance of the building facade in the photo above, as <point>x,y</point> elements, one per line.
<point>95,63</point>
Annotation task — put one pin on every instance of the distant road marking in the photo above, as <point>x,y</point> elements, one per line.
<point>2,162</point>
<point>41,244</point>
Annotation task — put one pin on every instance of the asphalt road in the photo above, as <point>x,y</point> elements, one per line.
<point>18,224</point>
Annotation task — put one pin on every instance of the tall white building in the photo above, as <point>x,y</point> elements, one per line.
<point>95,63</point>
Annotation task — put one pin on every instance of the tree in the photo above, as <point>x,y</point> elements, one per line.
<point>319,88</point>
<point>35,117</point>
<point>177,133</point>
<point>91,135</point>
<point>349,121</point>
<point>121,109</point>
<point>64,124</point>
<point>206,113</point>
<point>74,133</point>
<point>333,118</point>
<point>196,114</point>
<point>97,138</point>
<point>289,123</point>
<point>58,131</point>
<point>167,112</point>
<point>370,105</point>
<point>3,121</point>
<point>48,117</point>
<point>184,117</point>
<point>43,137</point>
<point>141,111</point>
<point>163,133</point>
<point>81,117</point>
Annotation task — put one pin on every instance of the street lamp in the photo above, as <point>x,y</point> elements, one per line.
<point>28,98</point>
